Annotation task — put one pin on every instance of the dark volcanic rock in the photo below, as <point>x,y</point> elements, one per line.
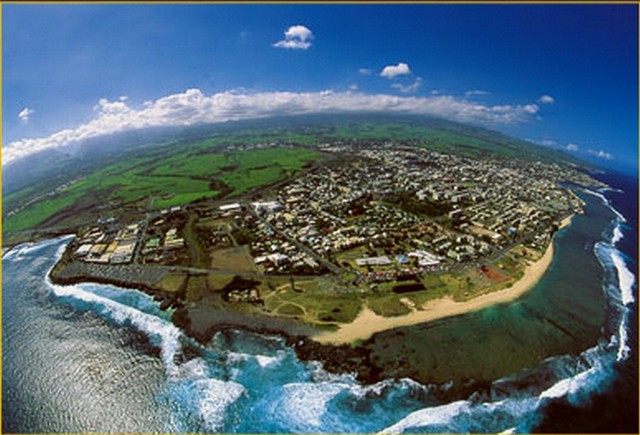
<point>337,359</point>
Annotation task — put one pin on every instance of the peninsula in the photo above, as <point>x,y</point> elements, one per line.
<point>335,240</point>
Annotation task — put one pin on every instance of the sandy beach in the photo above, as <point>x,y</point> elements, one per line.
<point>566,221</point>
<point>368,323</point>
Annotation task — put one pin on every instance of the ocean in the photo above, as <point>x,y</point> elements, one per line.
<point>97,358</point>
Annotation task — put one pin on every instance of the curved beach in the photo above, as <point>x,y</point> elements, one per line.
<point>368,323</point>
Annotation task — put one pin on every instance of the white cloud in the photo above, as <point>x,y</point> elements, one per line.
<point>353,87</point>
<point>365,71</point>
<point>475,93</point>
<point>572,147</point>
<point>298,32</point>
<point>546,99</point>
<point>106,106</point>
<point>408,89</point>
<point>25,114</point>
<point>193,107</point>
<point>296,38</point>
<point>601,154</point>
<point>545,142</point>
<point>393,71</point>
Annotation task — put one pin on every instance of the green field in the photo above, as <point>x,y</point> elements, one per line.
<point>186,177</point>
<point>312,305</point>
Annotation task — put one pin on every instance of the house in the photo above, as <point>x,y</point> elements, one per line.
<point>83,250</point>
<point>230,207</point>
<point>267,206</point>
<point>373,261</point>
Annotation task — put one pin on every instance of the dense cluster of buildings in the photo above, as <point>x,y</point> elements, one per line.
<point>336,210</point>
<point>115,243</point>
<point>114,246</point>
<point>379,211</point>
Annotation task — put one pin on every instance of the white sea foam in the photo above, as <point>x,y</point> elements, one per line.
<point>626,279</point>
<point>216,397</point>
<point>15,254</point>
<point>623,347</point>
<point>319,374</point>
<point>435,416</point>
<point>606,202</point>
<point>265,361</point>
<point>617,235</point>
<point>31,248</point>
<point>568,386</point>
<point>262,360</point>
<point>597,194</point>
<point>151,325</point>
<point>466,416</point>
<point>196,368</point>
<point>26,249</point>
<point>611,189</point>
<point>610,257</point>
<point>379,388</point>
<point>238,357</point>
<point>305,403</point>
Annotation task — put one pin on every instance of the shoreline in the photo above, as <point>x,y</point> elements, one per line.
<point>364,326</point>
<point>350,348</point>
<point>368,323</point>
<point>201,321</point>
<point>565,222</point>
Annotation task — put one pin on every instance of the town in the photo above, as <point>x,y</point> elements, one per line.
<point>375,212</point>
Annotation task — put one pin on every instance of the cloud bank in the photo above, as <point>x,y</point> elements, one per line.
<point>296,38</point>
<point>194,107</point>
<point>408,89</point>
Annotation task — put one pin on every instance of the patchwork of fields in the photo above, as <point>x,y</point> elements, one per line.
<point>170,181</point>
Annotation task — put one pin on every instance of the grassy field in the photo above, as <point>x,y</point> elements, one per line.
<point>388,305</point>
<point>197,287</point>
<point>185,176</point>
<point>241,170</point>
<point>236,259</point>
<point>313,305</point>
<point>172,282</point>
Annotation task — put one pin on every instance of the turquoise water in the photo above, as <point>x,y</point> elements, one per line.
<point>565,314</point>
<point>96,358</point>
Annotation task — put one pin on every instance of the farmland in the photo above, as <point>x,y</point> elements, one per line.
<point>175,180</point>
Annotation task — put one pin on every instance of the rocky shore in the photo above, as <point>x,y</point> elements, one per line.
<point>371,360</point>
<point>136,277</point>
<point>201,321</point>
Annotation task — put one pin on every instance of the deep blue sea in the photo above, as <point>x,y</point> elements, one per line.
<point>96,358</point>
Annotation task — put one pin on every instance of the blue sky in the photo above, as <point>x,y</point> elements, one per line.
<point>561,75</point>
